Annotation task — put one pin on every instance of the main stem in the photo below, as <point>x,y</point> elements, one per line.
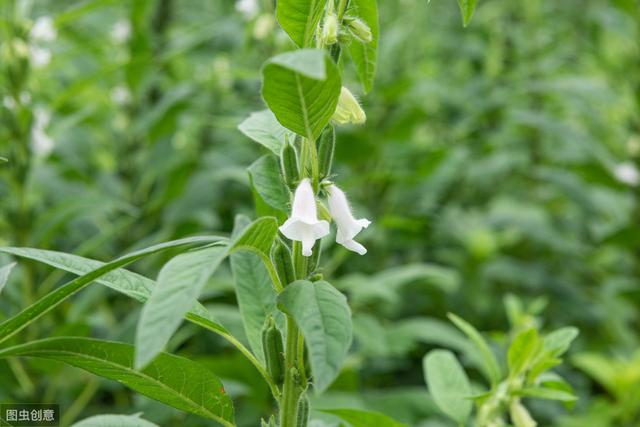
<point>293,360</point>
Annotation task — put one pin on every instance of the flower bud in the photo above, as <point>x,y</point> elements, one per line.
<point>348,109</point>
<point>520,416</point>
<point>289,165</point>
<point>273,350</point>
<point>359,29</point>
<point>326,148</point>
<point>330,30</point>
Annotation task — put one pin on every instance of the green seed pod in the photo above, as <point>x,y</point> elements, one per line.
<point>284,263</point>
<point>326,149</point>
<point>273,350</point>
<point>314,261</point>
<point>303,410</point>
<point>289,165</point>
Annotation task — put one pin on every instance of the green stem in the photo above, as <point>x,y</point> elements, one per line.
<point>290,393</point>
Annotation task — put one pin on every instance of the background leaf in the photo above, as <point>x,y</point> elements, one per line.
<point>323,315</point>
<point>365,55</point>
<point>172,380</point>
<point>467,7</point>
<point>264,128</point>
<point>302,89</point>
<point>360,418</point>
<point>448,384</point>
<point>5,271</point>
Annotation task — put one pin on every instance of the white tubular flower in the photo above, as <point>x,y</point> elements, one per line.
<point>627,173</point>
<point>348,226</point>
<point>303,225</point>
<point>348,109</point>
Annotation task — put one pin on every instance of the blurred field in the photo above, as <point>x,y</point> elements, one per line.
<point>499,164</point>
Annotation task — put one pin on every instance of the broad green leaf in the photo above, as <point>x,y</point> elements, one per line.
<point>302,90</point>
<point>4,274</point>
<point>323,315</point>
<point>172,380</point>
<point>264,128</point>
<point>360,418</point>
<point>548,393</point>
<point>131,284</point>
<point>13,325</point>
<point>299,19</point>
<point>364,55</point>
<point>254,291</point>
<point>467,7</point>
<point>489,363</point>
<point>558,341</point>
<point>181,280</point>
<point>267,182</point>
<point>111,420</point>
<point>522,350</point>
<point>178,287</point>
<point>448,384</point>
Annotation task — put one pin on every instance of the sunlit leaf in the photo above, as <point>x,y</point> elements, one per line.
<point>448,384</point>
<point>299,18</point>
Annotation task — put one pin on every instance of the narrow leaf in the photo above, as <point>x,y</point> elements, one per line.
<point>323,315</point>
<point>13,325</point>
<point>448,384</point>
<point>548,393</point>
<point>467,7</point>
<point>299,19</point>
<point>364,55</point>
<point>179,285</point>
<point>172,380</point>
<point>302,89</point>
<point>489,363</point>
<point>4,274</point>
<point>360,418</point>
<point>522,351</point>
<point>254,291</point>
<point>558,341</point>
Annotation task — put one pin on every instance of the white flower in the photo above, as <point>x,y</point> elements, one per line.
<point>44,30</point>
<point>40,56</point>
<point>248,8</point>
<point>348,226</point>
<point>627,173</point>
<point>303,225</point>
<point>120,95</point>
<point>41,143</point>
<point>121,31</point>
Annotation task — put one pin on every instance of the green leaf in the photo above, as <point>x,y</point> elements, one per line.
<point>448,384</point>
<point>13,325</point>
<point>558,341</point>
<point>299,19</point>
<point>131,284</point>
<point>547,393</point>
<point>467,7</point>
<point>4,274</point>
<point>302,90</point>
<point>489,363</point>
<point>181,280</point>
<point>522,350</point>
<point>268,183</point>
<point>364,55</point>
<point>360,418</point>
<point>109,420</point>
<point>254,291</point>
<point>172,380</point>
<point>323,315</point>
<point>178,287</point>
<point>264,128</point>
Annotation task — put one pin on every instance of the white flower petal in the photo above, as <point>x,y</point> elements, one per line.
<point>348,226</point>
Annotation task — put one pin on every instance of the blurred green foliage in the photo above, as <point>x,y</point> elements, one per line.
<point>497,159</point>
